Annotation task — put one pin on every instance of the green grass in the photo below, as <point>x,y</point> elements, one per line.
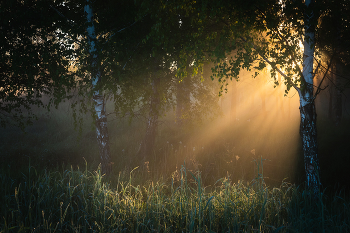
<point>84,201</point>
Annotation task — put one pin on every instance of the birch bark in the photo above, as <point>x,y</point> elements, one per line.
<point>307,108</point>
<point>98,98</point>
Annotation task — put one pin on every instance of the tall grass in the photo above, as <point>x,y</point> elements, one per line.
<point>84,201</point>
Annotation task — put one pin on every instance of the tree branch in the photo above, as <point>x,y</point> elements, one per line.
<point>324,76</point>
<point>275,67</point>
<point>282,38</point>
<point>120,30</point>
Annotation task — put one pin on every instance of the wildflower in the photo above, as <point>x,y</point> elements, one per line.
<point>253,151</point>
<point>237,157</point>
<point>194,148</point>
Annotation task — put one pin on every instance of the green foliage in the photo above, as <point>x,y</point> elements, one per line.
<point>44,54</point>
<point>247,34</point>
<point>32,60</point>
<point>84,201</point>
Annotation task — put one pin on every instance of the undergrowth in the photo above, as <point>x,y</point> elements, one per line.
<point>85,201</point>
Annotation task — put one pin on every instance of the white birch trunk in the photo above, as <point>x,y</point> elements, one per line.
<point>98,98</point>
<point>308,130</point>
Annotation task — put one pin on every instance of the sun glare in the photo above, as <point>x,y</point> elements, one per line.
<point>260,119</point>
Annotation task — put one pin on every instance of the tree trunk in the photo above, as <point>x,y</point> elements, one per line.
<point>102,133</point>
<point>147,145</point>
<point>338,95</point>
<point>98,98</point>
<point>308,130</point>
<point>179,103</point>
<point>308,134</point>
<point>183,100</point>
<point>330,91</point>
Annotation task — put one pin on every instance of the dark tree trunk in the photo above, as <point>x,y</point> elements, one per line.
<point>147,145</point>
<point>338,95</point>
<point>338,107</point>
<point>335,105</point>
<point>179,103</point>
<point>331,90</point>
<point>183,102</point>
<point>187,96</point>
<point>308,134</point>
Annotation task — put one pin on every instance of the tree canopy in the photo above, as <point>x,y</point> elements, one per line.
<point>33,60</point>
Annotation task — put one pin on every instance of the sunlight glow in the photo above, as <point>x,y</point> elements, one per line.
<point>261,119</point>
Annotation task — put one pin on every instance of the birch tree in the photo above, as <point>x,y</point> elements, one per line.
<point>98,96</point>
<point>239,35</point>
<point>279,48</point>
<point>105,36</point>
<point>307,108</point>
<point>291,24</point>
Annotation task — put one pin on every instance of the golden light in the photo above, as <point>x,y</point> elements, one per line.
<point>262,121</point>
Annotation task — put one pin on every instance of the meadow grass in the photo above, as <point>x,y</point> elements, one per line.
<point>85,201</point>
